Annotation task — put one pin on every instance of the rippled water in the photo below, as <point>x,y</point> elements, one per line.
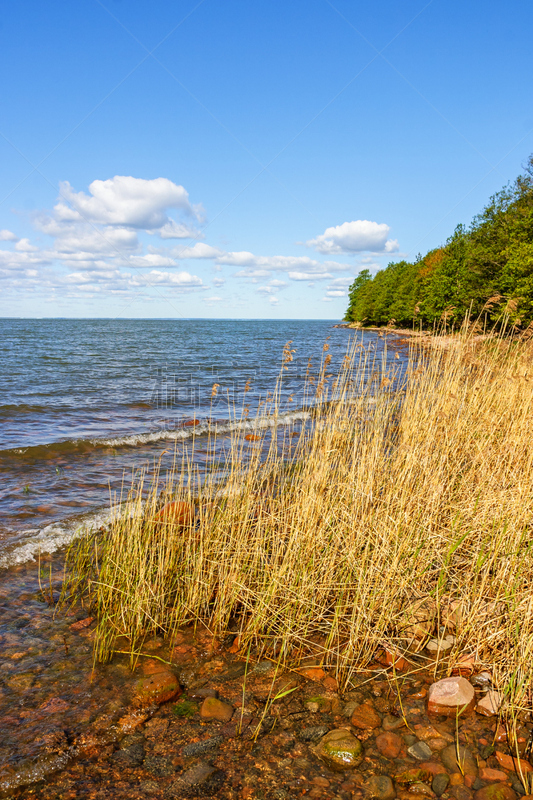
<point>84,402</point>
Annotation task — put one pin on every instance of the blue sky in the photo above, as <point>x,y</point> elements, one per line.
<point>228,158</point>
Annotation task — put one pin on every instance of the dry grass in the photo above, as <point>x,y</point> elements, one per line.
<point>393,514</point>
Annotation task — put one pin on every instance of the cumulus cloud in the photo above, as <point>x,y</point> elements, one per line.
<point>355,237</point>
<point>126,201</point>
<point>7,236</point>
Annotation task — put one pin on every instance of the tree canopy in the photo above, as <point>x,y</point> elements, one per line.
<point>479,270</point>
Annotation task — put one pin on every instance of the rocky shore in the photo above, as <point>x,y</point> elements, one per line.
<point>206,721</point>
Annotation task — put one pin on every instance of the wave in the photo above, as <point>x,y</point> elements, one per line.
<point>186,431</point>
<point>29,543</point>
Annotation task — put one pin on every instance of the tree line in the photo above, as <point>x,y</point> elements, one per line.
<point>485,270</point>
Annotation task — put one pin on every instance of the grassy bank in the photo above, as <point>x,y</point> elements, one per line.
<point>391,516</point>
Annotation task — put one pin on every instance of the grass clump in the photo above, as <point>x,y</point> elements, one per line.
<point>392,515</point>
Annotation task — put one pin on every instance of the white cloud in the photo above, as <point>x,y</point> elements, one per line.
<point>199,250</point>
<point>176,230</point>
<point>294,264</point>
<point>7,236</point>
<point>308,276</point>
<point>355,237</point>
<point>24,246</point>
<point>335,293</point>
<point>129,202</point>
<point>218,282</point>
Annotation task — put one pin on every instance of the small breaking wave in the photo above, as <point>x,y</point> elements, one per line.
<point>29,543</point>
<point>184,431</point>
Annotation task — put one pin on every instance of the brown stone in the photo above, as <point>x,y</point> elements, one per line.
<point>389,744</point>
<point>81,624</point>
<point>330,683</point>
<point>313,673</point>
<point>510,763</point>
<point>365,717</point>
<point>156,688</point>
<point>495,791</point>
<point>216,710</point>
<point>459,760</point>
<point>433,767</point>
<point>451,697</point>
<point>489,774</point>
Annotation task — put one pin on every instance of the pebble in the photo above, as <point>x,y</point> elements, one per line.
<point>420,750</point>
<point>490,704</point>
<point>380,787</point>
<point>365,717</point>
<point>495,791</point>
<point>440,645</point>
<point>158,688</point>
<point>439,784</point>
<point>216,710</point>
<point>340,750</point>
<point>199,748</point>
<point>313,733</point>
<point>508,762</point>
<point>389,744</point>
<point>451,696</point>
<point>467,764</point>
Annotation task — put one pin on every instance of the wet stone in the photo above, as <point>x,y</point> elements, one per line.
<point>157,688</point>
<point>467,765</point>
<point>131,756</point>
<point>203,779</point>
<point>439,784</point>
<point>495,791</point>
<point>380,787</point>
<point>389,744</point>
<point>365,717</point>
<point>340,750</point>
<point>313,733</point>
<point>198,748</point>
<point>216,710</point>
<point>159,766</point>
<point>420,750</point>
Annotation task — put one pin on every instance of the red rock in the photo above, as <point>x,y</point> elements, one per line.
<point>313,673</point>
<point>81,624</point>
<point>330,683</point>
<point>495,791</point>
<point>176,513</point>
<point>451,696</point>
<point>156,688</point>
<point>191,423</point>
<point>54,705</point>
<point>392,659</point>
<point>489,774</point>
<point>216,710</point>
<point>251,437</point>
<point>433,768</point>
<point>510,763</point>
<point>456,779</point>
<point>365,717</point>
<point>389,744</point>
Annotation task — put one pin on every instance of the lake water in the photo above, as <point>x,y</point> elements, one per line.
<point>85,402</point>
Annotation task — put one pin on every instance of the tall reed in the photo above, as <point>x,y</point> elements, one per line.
<point>405,505</point>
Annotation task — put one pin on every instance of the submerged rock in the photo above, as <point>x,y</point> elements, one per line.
<point>157,688</point>
<point>340,750</point>
<point>451,696</point>
<point>216,710</point>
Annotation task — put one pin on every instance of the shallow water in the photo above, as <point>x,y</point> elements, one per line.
<point>86,402</point>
